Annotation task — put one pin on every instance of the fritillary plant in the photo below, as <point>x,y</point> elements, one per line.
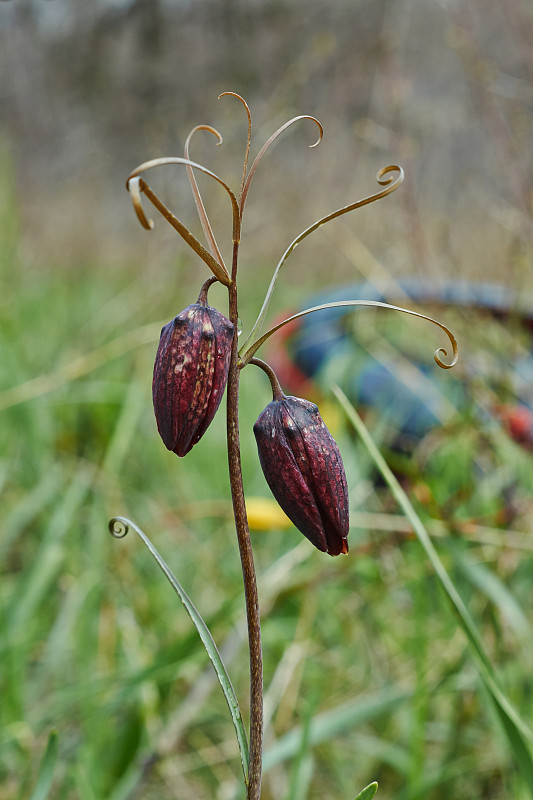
<point>198,359</point>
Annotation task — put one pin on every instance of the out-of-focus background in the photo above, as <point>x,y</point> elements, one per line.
<point>90,90</point>
<point>361,653</point>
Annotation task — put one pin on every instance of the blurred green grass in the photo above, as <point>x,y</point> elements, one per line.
<point>367,674</point>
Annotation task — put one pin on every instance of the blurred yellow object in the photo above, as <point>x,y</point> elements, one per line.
<point>330,413</point>
<point>264,514</point>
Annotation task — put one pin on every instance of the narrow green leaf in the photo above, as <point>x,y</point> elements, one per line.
<point>32,590</point>
<point>334,722</point>
<point>30,506</point>
<point>519,735</point>
<point>368,792</point>
<point>119,527</point>
<point>82,782</point>
<point>46,769</point>
<point>303,766</point>
<point>493,588</point>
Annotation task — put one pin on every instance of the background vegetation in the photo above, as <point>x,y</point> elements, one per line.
<point>367,674</point>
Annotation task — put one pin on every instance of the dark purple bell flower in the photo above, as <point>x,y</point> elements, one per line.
<point>303,467</point>
<point>190,374</point>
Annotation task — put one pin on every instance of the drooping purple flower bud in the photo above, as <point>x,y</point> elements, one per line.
<point>190,374</point>
<point>303,467</point>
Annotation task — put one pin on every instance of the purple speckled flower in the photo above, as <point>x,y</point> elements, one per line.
<point>303,467</point>
<point>190,375</point>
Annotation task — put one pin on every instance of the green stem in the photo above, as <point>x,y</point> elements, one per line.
<point>277,392</point>
<point>245,549</point>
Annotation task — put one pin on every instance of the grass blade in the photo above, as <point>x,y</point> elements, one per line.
<point>492,587</point>
<point>519,735</point>
<point>332,723</point>
<point>303,767</point>
<point>368,792</point>
<point>46,769</point>
<point>119,527</point>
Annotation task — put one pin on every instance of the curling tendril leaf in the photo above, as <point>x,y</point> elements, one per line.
<point>119,527</point>
<point>390,184</point>
<point>161,162</point>
<point>216,268</point>
<point>134,188</point>
<point>267,145</point>
<point>202,213</point>
<point>440,353</point>
<point>248,140</point>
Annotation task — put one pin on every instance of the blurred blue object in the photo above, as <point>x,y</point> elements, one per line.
<point>414,396</point>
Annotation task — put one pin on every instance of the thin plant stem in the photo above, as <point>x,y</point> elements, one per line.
<point>202,297</point>
<point>276,388</point>
<point>246,554</point>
